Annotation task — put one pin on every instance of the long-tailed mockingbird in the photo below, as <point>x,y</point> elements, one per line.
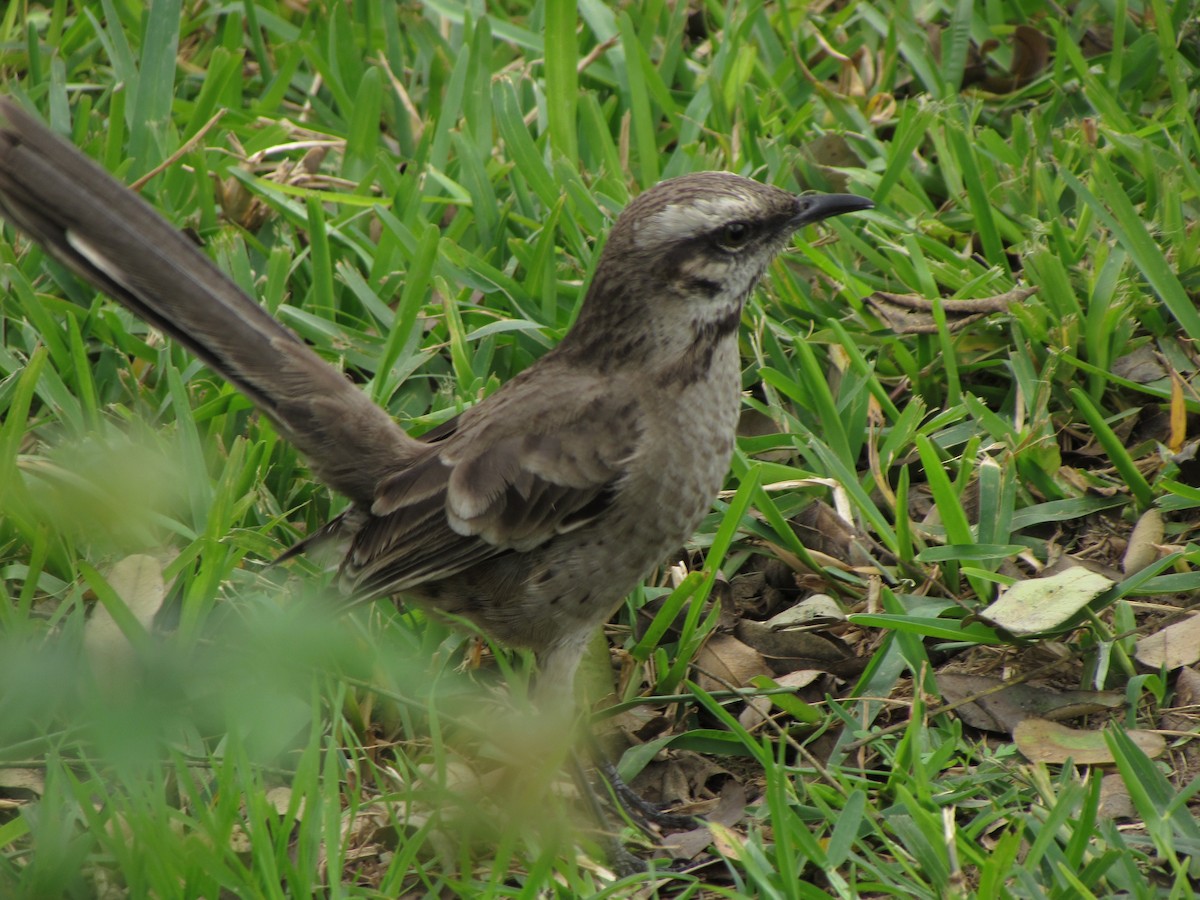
<point>534,512</point>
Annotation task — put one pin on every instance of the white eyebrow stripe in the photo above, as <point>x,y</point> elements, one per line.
<point>679,221</point>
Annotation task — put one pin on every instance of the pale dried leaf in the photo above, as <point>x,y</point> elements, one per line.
<point>138,581</point>
<point>1049,742</point>
<point>1039,605</point>
<point>912,313</point>
<point>280,798</point>
<point>815,608</point>
<point>107,885</point>
<point>1179,414</point>
<point>1144,542</point>
<point>239,841</point>
<point>727,841</point>
<point>1173,647</point>
<point>454,776</point>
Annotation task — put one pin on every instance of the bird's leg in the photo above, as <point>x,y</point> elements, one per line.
<point>554,695</point>
<point>641,811</point>
<point>622,861</point>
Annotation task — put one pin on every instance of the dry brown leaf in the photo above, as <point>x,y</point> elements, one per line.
<point>1142,366</point>
<point>1115,802</point>
<point>1187,688</point>
<point>725,661</point>
<point>1002,711</point>
<point>830,152</point>
<point>1031,53</point>
<point>790,644</point>
<point>823,530</point>
<point>727,841</point>
<point>1173,647</point>
<point>730,810</point>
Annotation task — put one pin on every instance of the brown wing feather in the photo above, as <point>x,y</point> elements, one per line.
<point>490,487</point>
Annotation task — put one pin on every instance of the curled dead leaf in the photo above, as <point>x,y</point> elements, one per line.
<point>1030,56</point>
<point>913,314</point>
<point>791,644</point>
<point>812,610</point>
<point>1144,542</point>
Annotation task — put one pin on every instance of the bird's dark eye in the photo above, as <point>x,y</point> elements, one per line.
<point>735,235</point>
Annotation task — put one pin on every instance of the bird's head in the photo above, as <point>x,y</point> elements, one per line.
<point>683,257</point>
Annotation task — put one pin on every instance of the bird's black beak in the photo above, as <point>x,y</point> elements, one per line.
<point>815,207</point>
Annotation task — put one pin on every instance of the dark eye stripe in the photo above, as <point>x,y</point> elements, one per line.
<point>700,285</point>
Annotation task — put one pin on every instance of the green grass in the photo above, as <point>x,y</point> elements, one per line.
<point>240,739</point>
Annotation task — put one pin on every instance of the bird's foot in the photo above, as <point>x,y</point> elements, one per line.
<point>641,811</point>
